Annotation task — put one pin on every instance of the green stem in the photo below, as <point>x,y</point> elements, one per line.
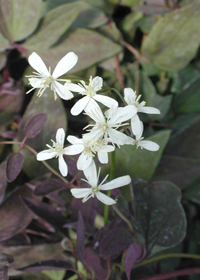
<point>123,218</point>
<point>106,207</point>
<point>119,94</point>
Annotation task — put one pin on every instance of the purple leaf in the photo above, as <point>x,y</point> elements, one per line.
<point>3,181</point>
<point>47,265</point>
<point>49,186</point>
<point>132,254</point>
<point>80,237</point>
<point>5,261</point>
<point>9,134</point>
<point>14,165</point>
<point>35,125</point>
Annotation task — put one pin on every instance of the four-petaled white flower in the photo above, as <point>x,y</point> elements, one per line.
<point>56,151</point>
<point>96,188</point>
<point>106,128</point>
<point>88,150</point>
<point>91,96</point>
<point>143,144</point>
<point>43,78</point>
<point>131,99</point>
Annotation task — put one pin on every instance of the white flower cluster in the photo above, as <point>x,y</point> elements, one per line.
<point>102,137</point>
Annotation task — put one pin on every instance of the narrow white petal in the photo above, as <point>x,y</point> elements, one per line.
<point>84,161</point>
<point>37,63</point>
<point>105,199</point>
<point>91,174</point>
<point>74,140</point>
<point>60,137</point>
<point>97,82</point>
<point>107,148</point>
<point>94,112</point>
<point>105,100</point>
<point>129,96</point>
<point>103,157</point>
<point>149,145</point>
<point>117,137</point>
<point>62,91</point>
<point>80,192</point>
<point>74,87</point>
<point>35,82</point>
<point>116,183</point>
<point>46,154</point>
<point>136,125</point>
<point>94,134</point>
<point>62,166</point>
<point>65,64</point>
<point>149,110</point>
<point>130,141</point>
<point>139,135</point>
<point>79,106</point>
<point>123,114</point>
<point>74,149</point>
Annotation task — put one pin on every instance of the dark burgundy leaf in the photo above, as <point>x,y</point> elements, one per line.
<point>47,265</point>
<point>49,186</point>
<point>80,237</point>
<point>3,181</point>
<point>132,254</point>
<point>14,165</point>
<point>9,134</point>
<point>47,213</point>
<point>35,125</point>
<point>5,261</point>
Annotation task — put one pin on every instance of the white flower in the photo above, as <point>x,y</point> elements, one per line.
<point>143,144</point>
<point>107,128</point>
<point>88,150</point>
<point>43,78</point>
<point>56,151</point>
<point>96,188</point>
<point>131,99</point>
<point>90,96</point>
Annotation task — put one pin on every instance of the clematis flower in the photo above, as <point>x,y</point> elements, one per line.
<point>143,144</point>
<point>106,128</point>
<point>96,188</point>
<point>131,99</point>
<point>43,78</point>
<point>88,150</point>
<point>57,151</point>
<point>91,96</point>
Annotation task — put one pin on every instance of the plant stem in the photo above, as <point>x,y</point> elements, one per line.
<point>119,94</point>
<point>123,218</point>
<point>106,207</point>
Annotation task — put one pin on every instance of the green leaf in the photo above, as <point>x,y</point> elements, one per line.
<point>4,43</point>
<point>160,218</point>
<point>174,39</point>
<point>53,25</point>
<point>193,191</point>
<point>2,60</point>
<point>90,46</point>
<point>19,18</point>
<point>138,163</point>
<point>55,274</point>
<point>56,118</point>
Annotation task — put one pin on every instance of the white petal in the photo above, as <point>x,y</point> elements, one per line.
<point>74,140</point>
<point>37,63</point>
<point>136,125</point>
<point>105,199</point>
<point>91,174</point>
<point>80,192</point>
<point>107,148</point>
<point>60,137</point>
<point>65,64</point>
<point>139,135</point>
<point>74,87</point>
<point>79,106</point>
<point>105,100</point>
<point>62,91</point>
<point>94,112</point>
<point>149,110</point>
<point>46,154</point>
<point>62,166</point>
<point>103,157</point>
<point>117,137</point>
<point>94,134</point>
<point>129,96</point>
<point>149,145</point>
<point>74,149</point>
<point>123,114</point>
<point>84,161</point>
<point>130,141</point>
<point>97,82</point>
<point>35,82</point>
<point>116,183</point>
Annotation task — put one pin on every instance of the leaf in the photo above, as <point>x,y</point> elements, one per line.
<point>138,163</point>
<point>48,186</point>
<point>4,43</point>
<point>54,274</point>
<point>3,182</point>
<point>53,25</point>
<point>14,165</point>
<point>5,261</point>
<point>14,215</point>
<point>19,18</point>
<point>80,237</point>
<point>35,125</point>
<point>132,254</point>
<point>192,192</point>
<point>161,222</point>
<point>151,9</point>
<point>174,39</point>
<point>51,264</point>
<point>47,105</point>
<point>174,169</point>
<point>90,46</point>
<point>2,60</point>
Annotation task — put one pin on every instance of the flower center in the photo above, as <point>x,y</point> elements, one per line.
<point>137,104</point>
<point>56,148</point>
<point>94,191</point>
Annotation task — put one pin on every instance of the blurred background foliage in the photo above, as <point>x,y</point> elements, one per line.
<point>150,46</point>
